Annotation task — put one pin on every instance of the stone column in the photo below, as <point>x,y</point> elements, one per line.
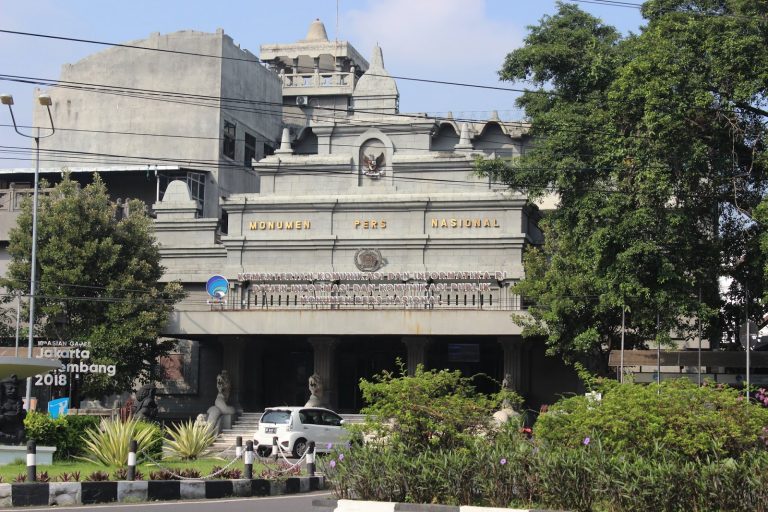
<point>233,361</point>
<point>325,366</point>
<point>417,351</point>
<point>515,363</point>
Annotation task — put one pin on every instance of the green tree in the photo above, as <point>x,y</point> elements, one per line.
<point>429,410</point>
<point>98,280</point>
<point>655,146</point>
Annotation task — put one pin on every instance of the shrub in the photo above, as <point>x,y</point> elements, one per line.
<point>429,410</point>
<point>69,477</point>
<point>64,433</point>
<point>227,474</point>
<point>190,473</point>
<point>108,445</point>
<point>97,476</point>
<point>188,440</point>
<point>162,474</point>
<point>676,417</point>
<point>122,474</point>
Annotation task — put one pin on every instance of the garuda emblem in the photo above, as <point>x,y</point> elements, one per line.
<point>372,165</point>
<point>369,260</point>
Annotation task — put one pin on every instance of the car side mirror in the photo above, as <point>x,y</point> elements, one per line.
<point>341,422</point>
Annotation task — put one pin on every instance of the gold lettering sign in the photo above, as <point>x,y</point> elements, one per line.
<point>453,222</point>
<point>279,225</point>
<point>370,224</point>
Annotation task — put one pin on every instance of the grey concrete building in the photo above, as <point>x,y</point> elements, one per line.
<point>120,103</point>
<point>371,240</point>
<point>366,238</point>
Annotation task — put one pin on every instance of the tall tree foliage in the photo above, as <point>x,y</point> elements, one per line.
<point>655,146</point>
<point>98,274</point>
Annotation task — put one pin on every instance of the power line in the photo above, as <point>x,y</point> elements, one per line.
<point>402,176</point>
<point>632,5</point>
<point>253,61</point>
<point>165,95</point>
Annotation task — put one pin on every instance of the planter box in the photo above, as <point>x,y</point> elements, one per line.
<point>98,492</point>
<point>10,454</point>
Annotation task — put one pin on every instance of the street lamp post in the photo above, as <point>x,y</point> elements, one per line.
<point>44,100</point>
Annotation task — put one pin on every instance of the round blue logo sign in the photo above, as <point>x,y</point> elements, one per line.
<point>217,287</point>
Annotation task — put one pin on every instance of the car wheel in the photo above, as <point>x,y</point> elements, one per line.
<point>299,447</point>
<point>263,451</point>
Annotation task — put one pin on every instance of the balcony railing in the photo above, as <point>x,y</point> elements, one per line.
<point>11,199</point>
<point>293,302</point>
<point>333,81</point>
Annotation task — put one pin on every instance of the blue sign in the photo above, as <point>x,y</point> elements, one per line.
<point>217,287</point>
<point>58,407</point>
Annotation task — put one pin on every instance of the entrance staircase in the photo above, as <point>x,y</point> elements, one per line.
<point>246,425</point>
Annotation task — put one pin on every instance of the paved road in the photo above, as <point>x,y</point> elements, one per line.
<point>291,503</point>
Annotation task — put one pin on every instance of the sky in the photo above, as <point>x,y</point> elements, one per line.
<point>448,40</point>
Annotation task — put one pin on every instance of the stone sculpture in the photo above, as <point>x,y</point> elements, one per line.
<point>220,414</point>
<point>507,412</point>
<point>316,398</point>
<point>145,407</point>
<point>12,412</point>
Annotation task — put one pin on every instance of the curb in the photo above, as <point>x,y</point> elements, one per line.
<point>388,506</point>
<point>90,493</point>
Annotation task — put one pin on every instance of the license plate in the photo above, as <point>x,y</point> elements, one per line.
<point>270,430</point>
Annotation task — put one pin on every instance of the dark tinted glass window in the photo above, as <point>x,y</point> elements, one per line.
<point>279,417</point>
<point>230,133</point>
<point>250,149</point>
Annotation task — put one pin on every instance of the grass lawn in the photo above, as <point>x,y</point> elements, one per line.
<point>9,472</point>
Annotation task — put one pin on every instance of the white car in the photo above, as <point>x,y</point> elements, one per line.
<point>295,427</point>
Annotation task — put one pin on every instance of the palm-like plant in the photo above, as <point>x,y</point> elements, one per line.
<point>108,445</point>
<point>188,440</point>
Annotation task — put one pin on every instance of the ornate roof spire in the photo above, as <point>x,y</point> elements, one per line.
<point>377,59</point>
<point>317,31</point>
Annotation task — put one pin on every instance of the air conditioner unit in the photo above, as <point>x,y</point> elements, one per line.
<point>301,100</point>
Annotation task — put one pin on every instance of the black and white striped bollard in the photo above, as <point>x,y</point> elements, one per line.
<point>132,447</point>
<point>248,459</point>
<point>239,446</point>
<point>274,447</point>
<point>311,459</point>
<point>31,461</point>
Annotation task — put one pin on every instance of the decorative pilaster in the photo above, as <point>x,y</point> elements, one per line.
<point>233,361</point>
<point>325,366</point>
<point>417,352</point>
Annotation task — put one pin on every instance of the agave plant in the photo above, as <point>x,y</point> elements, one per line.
<point>108,445</point>
<point>188,440</point>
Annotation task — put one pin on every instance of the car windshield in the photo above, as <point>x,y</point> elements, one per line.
<point>279,417</point>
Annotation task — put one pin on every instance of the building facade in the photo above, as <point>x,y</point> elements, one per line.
<point>372,240</point>
<point>355,238</point>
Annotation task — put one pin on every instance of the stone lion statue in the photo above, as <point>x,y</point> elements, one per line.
<point>316,392</point>
<point>145,407</point>
<point>507,412</point>
<point>220,413</point>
